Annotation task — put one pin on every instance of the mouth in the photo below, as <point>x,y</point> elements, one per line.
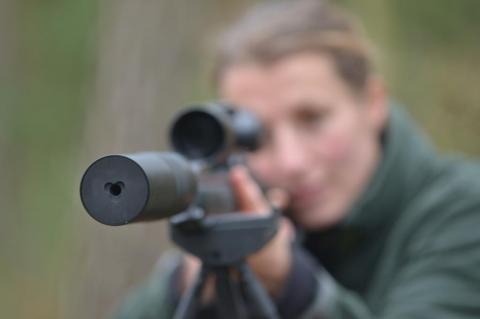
<point>306,196</point>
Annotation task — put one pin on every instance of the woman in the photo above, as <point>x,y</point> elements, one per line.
<point>387,226</point>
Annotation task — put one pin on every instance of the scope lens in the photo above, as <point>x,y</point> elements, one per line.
<point>197,134</point>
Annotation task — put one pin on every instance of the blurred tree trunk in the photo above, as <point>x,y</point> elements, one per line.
<point>8,167</point>
<point>7,65</point>
<point>151,63</point>
<point>39,109</point>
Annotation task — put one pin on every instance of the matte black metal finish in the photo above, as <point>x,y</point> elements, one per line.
<point>222,243</point>
<point>214,131</point>
<point>199,134</point>
<point>121,189</point>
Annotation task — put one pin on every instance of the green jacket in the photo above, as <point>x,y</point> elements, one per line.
<point>409,248</point>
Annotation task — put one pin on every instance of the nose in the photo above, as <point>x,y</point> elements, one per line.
<point>290,154</point>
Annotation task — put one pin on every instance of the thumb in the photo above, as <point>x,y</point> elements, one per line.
<point>248,194</point>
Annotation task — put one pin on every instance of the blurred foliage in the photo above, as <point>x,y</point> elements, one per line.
<point>429,52</point>
<point>67,66</point>
<point>49,71</point>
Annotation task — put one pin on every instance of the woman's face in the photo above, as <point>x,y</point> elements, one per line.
<point>322,141</point>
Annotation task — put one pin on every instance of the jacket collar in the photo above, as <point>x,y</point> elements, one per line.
<point>405,164</point>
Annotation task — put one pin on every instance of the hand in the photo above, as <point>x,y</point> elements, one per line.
<point>273,262</point>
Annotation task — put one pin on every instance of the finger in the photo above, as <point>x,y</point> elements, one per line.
<point>278,198</point>
<point>276,252</point>
<point>283,238</point>
<point>190,268</point>
<point>248,194</point>
<point>288,229</point>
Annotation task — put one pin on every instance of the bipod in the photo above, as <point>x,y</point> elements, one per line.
<point>222,243</point>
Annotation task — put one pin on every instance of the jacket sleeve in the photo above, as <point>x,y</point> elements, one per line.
<point>154,298</point>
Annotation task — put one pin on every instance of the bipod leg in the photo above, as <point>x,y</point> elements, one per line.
<point>189,303</point>
<point>229,300</point>
<point>263,307</point>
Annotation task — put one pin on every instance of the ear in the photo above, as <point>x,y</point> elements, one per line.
<point>377,103</point>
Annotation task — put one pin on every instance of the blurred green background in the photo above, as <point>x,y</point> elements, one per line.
<point>81,79</point>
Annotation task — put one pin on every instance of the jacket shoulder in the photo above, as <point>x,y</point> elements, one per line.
<point>152,299</point>
<point>445,213</point>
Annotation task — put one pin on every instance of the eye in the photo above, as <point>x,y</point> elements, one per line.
<point>266,136</point>
<point>310,116</point>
